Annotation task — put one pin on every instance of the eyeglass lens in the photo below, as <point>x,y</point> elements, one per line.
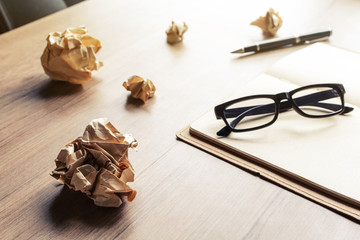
<point>318,101</point>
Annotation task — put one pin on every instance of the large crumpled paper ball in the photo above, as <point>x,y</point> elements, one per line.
<point>70,56</point>
<point>97,164</point>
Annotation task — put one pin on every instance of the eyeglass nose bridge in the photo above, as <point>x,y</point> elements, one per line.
<point>282,96</point>
<point>286,104</point>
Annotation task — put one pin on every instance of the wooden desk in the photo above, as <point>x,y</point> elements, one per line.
<point>183,193</point>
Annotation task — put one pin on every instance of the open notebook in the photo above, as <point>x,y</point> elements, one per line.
<point>318,158</point>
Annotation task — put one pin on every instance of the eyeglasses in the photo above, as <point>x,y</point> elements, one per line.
<point>259,111</point>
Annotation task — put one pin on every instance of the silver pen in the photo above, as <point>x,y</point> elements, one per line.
<point>282,42</point>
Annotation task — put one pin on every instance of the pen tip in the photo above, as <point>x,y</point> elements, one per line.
<point>241,50</point>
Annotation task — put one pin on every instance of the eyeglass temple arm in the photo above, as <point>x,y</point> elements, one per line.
<point>240,113</point>
<point>250,111</point>
<point>244,111</point>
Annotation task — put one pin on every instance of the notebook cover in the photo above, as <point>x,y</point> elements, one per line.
<point>293,185</point>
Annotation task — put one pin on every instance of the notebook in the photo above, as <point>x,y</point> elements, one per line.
<point>317,158</point>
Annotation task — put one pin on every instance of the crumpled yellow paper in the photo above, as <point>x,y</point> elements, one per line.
<point>97,164</point>
<point>70,56</point>
<point>175,32</point>
<point>140,88</point>
<point>269,24</point>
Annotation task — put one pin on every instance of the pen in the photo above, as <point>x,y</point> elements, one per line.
<point>281,42</point>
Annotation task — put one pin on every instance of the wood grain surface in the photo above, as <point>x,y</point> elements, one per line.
<point>183,193</point>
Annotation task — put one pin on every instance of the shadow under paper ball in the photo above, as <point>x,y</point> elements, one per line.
<point>137,105</point>
<point>134,101</point>
<point>59,88</point>
<point>70,206</point>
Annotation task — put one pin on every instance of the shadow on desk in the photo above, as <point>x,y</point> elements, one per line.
<point>71,206</point>
<point>134,101</point>
<point>59,88</point>
<point>134,105</point>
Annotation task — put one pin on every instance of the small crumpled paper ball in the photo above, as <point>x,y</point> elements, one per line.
<point>97,164</point>
<point>140,88</point>
<point>70,56</point>
<point>175,32</point>
<point>269,24</point>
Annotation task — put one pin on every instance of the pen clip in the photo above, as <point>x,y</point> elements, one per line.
<point>316,40</point>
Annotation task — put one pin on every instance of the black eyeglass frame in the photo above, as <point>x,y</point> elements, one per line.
<point>277,98</point>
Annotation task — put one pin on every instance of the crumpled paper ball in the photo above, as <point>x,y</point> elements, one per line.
<point>269,24</point>
<point>175,32</point>
<point>140,88</point>
<point>70,56</point>
<point>97,164</point>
